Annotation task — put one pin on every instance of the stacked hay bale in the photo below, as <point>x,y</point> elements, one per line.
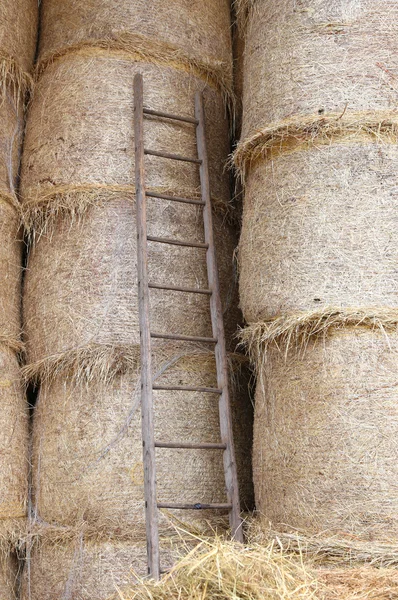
<point>80,303</point>
<point>18,26</point>
<point>318,256</point>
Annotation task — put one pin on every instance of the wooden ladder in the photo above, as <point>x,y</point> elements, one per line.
<point>218,339</point>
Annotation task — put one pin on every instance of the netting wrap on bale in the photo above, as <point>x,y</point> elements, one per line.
<point>87,447</point>
<point>322,64</point>
<point>311,239</point>
<point>325,439</point>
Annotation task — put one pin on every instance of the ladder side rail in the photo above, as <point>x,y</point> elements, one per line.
<point>148,442</point>
<point>230,469</point>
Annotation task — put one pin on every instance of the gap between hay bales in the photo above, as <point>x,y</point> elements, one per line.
<point>136,47</point>
<point>300,133</point>
<point>242,10</point>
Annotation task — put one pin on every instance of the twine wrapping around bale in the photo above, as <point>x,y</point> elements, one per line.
<point>13,444</point>
<point>87,446</point>
<point>324,59</point>
<point>325,435</point>
<point>59,154</point>
<point>320,229</point>
<point>81,281</point>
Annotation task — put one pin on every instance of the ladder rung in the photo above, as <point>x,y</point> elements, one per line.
<point>197,506</point>
<point>151,238</point>
<point>184,388</point>
<point>175,198</point>
<point>173,156</point>
<point>173,288</point>
<point>184,338</point>
<point>191,445</point>
<point>157,113</point>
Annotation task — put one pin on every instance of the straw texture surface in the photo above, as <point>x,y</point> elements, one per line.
<point>319,230</point>
<point>84,570</point>
<point>238,48</point>
<point>81,283</point>
<point>13,440</point>
<point>325,441</point>
<point>199,29</point>
<point>8,577</point>
<point>18,32</point>
<point>87,448</point>
<point>215,568</point>
<point>11,115</point>
<point>80,133</point>
<point>316,58</point>
<point>10,276</point>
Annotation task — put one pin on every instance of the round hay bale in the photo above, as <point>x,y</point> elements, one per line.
<point>10,269</point>
<point>87,447</point>
<point>86,569</point>
<point>325,436</point>
<point>198,32</point>
<point>96,262</point>
<point>81,283</point>
<point>318,62</point>
<point>80,134</point>
<point>18,33</point>
<point>13,440</point>
<point>319,230</point>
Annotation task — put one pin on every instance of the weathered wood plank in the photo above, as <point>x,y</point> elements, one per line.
<point>230,470</point>
<point>148,442</point>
